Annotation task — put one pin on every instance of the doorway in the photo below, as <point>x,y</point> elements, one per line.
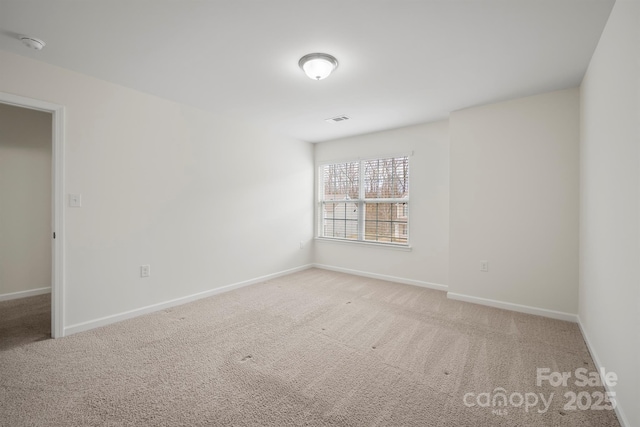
<point>56,231</point>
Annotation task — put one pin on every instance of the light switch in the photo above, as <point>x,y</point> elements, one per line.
<point>75,200</point>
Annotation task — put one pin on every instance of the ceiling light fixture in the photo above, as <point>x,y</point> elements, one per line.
<point>318,66</point>
<point>32,42</point>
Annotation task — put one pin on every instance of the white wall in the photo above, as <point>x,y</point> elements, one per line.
<point>427,262</point>
<point>25,200</point>
<point>610,204</point>
<point>514,201</point>
<point>204,201</point>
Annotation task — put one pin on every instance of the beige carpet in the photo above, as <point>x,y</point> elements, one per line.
<point>315,348</point>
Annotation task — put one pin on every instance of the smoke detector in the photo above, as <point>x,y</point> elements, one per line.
<point>32,42</point>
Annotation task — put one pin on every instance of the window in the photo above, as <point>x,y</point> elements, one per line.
<point>365,200</point>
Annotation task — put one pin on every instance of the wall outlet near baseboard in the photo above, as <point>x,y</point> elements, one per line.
<point>484,266</point>
<point>145,270</point>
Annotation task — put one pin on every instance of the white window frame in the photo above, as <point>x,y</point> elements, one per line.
<point>361,202</point>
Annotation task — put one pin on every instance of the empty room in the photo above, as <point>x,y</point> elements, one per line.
<point>330,213</point>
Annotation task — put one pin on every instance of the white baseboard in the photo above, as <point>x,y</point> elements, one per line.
<point>624,422</point>
<point>515,307</point>
<point>383,277</point>
<point>107,320</point>
<point>25,294</point>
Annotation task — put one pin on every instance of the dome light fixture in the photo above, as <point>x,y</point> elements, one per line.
<point>318,66</point>
<point>32,42</point>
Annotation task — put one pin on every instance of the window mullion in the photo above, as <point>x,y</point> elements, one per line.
<point>361,204</point>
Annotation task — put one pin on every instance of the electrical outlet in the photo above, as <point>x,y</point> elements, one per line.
<point>145,270</point>
<point>484,266</point>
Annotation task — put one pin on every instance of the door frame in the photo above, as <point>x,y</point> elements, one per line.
<point>57,202</point>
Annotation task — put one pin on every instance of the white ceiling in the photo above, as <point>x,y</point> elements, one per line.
<point>402,62</point>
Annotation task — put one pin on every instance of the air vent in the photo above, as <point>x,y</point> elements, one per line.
<point>337,119</point>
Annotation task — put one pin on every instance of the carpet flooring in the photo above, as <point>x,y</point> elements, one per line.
<point>314,348</point>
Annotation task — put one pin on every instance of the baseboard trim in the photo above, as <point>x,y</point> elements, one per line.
<point>624,422</point>
<point>25,294</point>
<point>515,307</point>
<point>107,320</point>
<point>404,281</point>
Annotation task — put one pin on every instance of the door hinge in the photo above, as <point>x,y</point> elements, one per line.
<point>54,234</point>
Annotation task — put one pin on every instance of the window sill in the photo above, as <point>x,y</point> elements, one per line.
<point>361,243</point>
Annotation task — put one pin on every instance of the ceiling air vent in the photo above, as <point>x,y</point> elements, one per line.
<point>337,119</point>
